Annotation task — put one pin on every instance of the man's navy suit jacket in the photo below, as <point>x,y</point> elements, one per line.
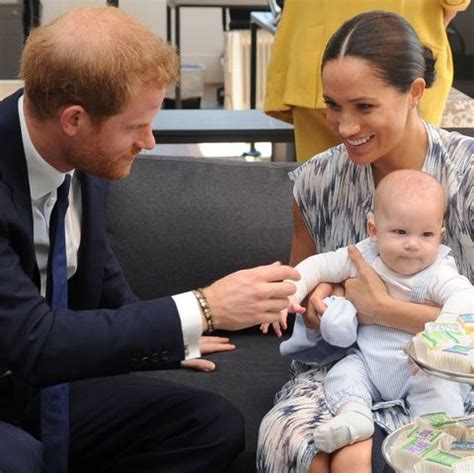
<point>106,329</point>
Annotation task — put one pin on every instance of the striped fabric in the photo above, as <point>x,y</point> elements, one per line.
<point>335,197</point>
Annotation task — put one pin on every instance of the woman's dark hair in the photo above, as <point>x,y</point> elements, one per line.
<point>389,43</point>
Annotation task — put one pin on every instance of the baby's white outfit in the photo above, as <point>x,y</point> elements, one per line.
<point>377,368</point>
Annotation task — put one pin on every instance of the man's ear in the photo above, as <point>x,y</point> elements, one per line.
<point>71,118</point>
<point>372,229</point>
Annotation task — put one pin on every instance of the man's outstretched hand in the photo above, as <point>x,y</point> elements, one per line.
<point>251,296</point>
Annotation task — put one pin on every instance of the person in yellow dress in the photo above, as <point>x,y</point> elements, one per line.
<point>293,89</point>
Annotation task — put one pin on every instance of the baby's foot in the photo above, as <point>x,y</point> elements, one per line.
<point>345,429</point>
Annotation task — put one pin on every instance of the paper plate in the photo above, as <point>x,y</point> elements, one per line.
<point>455,376</point>
<point>391,439</point>
<point>389,442</point>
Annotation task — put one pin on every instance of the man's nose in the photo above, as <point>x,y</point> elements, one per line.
<point>146,140</point>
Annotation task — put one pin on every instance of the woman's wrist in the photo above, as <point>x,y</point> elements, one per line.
<point>405,315</point>
<point>385,308</point>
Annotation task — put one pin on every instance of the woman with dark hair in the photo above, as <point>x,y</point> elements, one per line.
<point>293,89</point>
<point>374,73</point>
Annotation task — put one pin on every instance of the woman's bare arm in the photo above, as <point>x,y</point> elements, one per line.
<point>302,244</point>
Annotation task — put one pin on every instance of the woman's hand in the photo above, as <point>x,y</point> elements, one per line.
<point>208,345</point>
<point>367,291</point>
<point>448,16</point>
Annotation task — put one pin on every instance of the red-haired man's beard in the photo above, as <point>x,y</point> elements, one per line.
<point>93,159</point>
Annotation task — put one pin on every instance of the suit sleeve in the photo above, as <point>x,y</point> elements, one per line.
<point>99,280</point>
<point>47,347</point>
<point>115,288</point>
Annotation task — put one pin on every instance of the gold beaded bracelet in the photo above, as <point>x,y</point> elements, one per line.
<point>201,298</point>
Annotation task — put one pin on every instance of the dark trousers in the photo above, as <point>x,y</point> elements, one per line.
<point>378,462</point>
<point>134,424</point>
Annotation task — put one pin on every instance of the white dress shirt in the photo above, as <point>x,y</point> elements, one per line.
<point>44,181</point>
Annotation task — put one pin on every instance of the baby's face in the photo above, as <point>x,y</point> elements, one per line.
<point>408,234</point>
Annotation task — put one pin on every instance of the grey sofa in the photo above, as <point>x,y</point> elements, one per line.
<point>180,223</point>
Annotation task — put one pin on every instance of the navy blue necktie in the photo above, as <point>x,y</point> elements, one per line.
<point>55,399</point>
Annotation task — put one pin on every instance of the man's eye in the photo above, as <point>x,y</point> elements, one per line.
<point>364,106</point>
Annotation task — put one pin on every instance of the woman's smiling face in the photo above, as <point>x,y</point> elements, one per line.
<point>370,116</point>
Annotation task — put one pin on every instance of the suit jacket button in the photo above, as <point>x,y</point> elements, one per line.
<point>164,355</point>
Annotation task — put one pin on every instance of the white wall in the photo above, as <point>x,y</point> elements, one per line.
<point>202,38</point>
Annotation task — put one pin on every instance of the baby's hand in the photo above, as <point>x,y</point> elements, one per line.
<point>281,324</point>
<point>295,307</point>
<point>278,326</point>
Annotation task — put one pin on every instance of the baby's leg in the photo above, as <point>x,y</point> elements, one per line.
<point>349,395</point>
<point>428,393</point>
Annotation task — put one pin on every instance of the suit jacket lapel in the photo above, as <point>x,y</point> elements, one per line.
<point>86,285</point>
<point>12,160</point>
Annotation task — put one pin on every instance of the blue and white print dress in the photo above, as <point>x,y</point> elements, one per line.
<point>335,196</point>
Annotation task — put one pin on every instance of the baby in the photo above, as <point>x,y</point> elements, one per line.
<point>405,250</point>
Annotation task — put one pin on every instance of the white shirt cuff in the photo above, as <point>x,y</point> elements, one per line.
<point>191,323</point>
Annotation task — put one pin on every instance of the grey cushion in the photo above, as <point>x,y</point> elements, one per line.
<point>179,223</point>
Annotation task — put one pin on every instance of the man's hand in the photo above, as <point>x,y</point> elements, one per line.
<point>208,345</point>
<point>367,291</point>
<point>251,296</point>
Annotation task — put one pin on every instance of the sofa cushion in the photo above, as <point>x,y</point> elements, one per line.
<point>179,223</point>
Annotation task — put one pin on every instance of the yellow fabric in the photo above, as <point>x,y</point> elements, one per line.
<point>294,78</point>
<point>312,132</point>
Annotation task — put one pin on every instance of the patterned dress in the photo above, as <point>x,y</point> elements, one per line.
<point>335,197</point>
